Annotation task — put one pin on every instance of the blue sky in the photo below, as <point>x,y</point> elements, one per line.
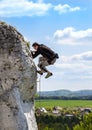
<point>63,25</point>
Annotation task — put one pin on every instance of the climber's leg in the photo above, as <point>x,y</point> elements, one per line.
<point>42,65</point>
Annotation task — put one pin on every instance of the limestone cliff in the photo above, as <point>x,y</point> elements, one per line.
<point>17,81</point>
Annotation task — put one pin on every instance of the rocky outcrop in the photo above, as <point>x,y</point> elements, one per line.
<point>17,81</point>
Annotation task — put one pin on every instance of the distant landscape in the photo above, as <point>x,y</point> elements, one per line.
<point>64,109</point>
<point>66,94</point>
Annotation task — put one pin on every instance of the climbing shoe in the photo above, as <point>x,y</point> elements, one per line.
<point>40,72</point>
<point>48,75</point>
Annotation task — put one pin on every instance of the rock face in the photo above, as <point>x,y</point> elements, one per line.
<point>17,81</point>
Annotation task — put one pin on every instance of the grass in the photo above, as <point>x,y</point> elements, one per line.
<point>63,103</point>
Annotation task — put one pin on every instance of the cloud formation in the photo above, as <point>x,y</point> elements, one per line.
<point>71,36</point>
<point>76,66</point>
<point>86,56</point>
<point>65,8</point>
<point>16,8</point>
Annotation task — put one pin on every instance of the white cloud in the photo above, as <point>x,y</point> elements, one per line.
<point>82,57</point>
<point>16,8</point>
<point>86,56</point>
<point>65,8</point>
<point>76,66</point>
<point>10,8</point>
<point>70,36</point>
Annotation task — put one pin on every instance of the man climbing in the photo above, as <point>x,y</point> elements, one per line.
<point>48,58</point>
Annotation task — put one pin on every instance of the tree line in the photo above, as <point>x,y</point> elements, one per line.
<point>49,122</point>
<point>56,122</point>
<point>64,97</point>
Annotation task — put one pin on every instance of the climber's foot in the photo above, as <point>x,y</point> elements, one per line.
<point>40,72</point>
<point>48,75</point>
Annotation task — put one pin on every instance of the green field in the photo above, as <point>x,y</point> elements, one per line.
<point>63,103</point>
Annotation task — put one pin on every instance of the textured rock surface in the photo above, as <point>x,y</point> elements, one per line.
<point>17,81</point>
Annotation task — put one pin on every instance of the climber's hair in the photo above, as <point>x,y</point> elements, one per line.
<point>35,44</point>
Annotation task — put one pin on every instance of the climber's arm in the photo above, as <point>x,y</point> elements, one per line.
<point>35,54</point>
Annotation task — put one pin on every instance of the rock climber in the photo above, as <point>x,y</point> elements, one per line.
<point>48,57</point>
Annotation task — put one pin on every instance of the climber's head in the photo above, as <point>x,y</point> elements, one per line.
<point>35,45</point>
